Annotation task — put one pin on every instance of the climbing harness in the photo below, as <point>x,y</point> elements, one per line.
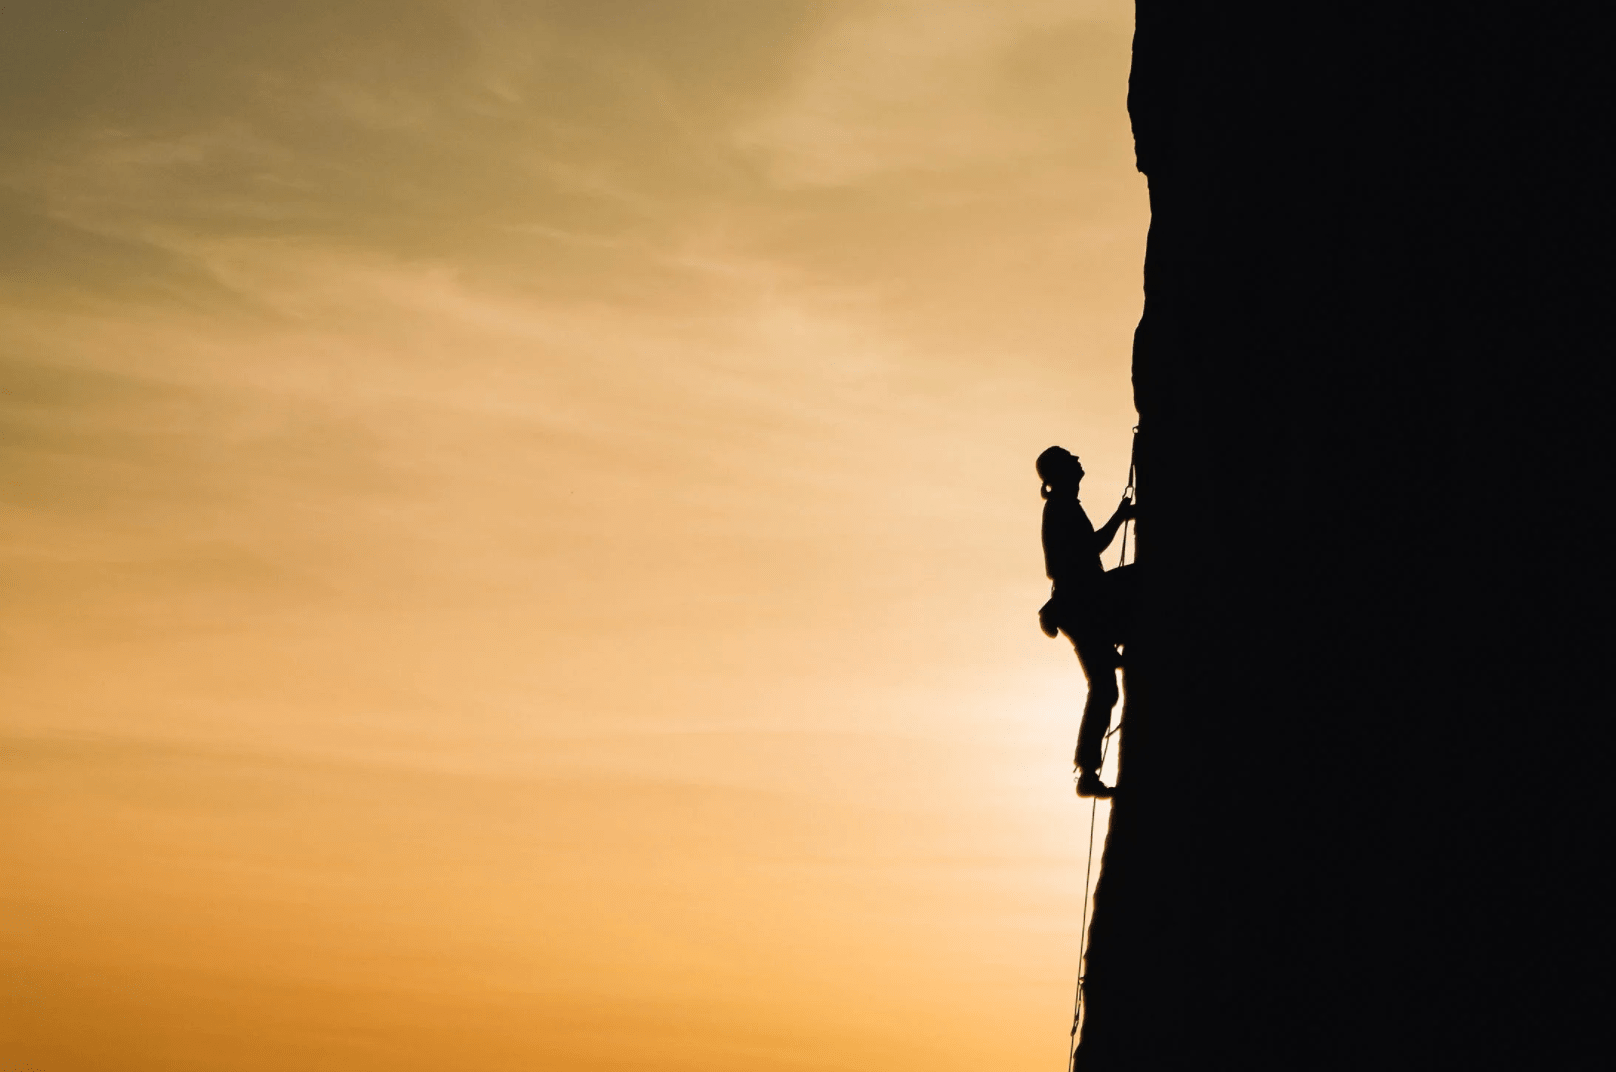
<point>1083,939</point>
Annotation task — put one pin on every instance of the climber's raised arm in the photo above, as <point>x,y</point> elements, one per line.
<point>1108,531</point>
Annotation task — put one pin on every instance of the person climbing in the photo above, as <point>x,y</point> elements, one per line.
<point>1086,603</point>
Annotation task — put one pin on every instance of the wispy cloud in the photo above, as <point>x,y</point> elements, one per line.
<point>481,476</point>
<point>918,87</point>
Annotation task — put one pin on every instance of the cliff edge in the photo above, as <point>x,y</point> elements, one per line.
<point>1366,757</point>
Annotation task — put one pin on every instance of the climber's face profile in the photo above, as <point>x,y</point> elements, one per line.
<point>1059,468</point>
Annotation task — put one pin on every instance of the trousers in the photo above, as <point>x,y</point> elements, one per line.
<point>1099,659</point>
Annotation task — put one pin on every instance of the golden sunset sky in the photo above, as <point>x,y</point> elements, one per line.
<point>518,538</point>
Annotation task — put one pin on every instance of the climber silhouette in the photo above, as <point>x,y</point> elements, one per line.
<point>1086,603</point>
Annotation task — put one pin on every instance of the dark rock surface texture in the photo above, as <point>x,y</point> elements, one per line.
<point>1366,769</point>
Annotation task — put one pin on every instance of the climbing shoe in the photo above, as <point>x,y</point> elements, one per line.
<point>1089,785</point>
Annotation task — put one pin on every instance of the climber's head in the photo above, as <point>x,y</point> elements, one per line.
<point>1059,469</point>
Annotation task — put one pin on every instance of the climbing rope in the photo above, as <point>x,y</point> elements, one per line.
<point>1128,493</point>
<point>1083,938</point>
<point>1077,999</point>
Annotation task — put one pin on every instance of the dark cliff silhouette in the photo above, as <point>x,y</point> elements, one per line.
<point>1365,785</point>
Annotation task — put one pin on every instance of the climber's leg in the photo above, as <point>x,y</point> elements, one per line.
<point>1099,662</point>
<point>1096,715</point>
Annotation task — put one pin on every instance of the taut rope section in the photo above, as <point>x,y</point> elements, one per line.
<point>1129,493</point>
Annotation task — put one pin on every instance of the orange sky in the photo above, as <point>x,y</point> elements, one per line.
<point>518,534</point>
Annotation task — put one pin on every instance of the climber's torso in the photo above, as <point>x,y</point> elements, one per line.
<point>1071,559</point>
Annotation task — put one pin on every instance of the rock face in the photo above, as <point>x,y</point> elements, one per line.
<point>1366,762</point>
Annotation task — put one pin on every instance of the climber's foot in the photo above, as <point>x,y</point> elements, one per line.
<point>1089,785</point>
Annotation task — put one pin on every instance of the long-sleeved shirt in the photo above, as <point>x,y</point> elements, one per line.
<point>1071,547</point>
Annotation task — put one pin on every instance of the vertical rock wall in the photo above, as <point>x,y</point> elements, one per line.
<point>1364,797</point>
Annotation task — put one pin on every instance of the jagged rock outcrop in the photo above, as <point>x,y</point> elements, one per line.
<point>1366,764</point>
